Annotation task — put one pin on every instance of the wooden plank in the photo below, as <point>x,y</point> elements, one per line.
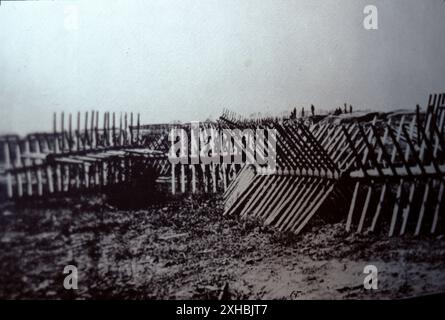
<point>438,204</point>
<point>293,192</point>
<point>354,152</point>
<point>296,202</point>
<point>131,128</point>
<point>379,208</point>
<point>399,150</point>
<point>407,209</point>
<point>70,133</point>
<point>120,130</point>
<point>138,129</point>
<point>92,132</point>
<point>62,130</point>
<point>173,180</point>
<point>247,192</point>
<point>87,141</point>
<point>49,169</point>
<point>352,206</point>
<point>182,178</point>
<point>315,208</point>
<point>193,170</point>
<point>18,164</point>
<point>255,198</point>
<point>28,164</point>
<point>39,171</point>
<point>255,203</point>
<point>411,135</point>
<point>397,137</point>
<point>224,174</point>
<point>301,209</point>
<point>299,204</point>
<point>8,165</point>
<point>96,129</point>
<point>395,211</point>
<point>365,209</point>
<point>281,191</point>
<point>384,139</point>
<point>422,208</point>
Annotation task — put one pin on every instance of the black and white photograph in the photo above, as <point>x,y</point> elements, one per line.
<point>224,150</point>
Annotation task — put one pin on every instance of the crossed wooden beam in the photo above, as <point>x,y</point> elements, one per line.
<point>385,173</point>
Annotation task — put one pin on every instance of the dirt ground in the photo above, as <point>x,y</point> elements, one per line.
<point>188,250</point>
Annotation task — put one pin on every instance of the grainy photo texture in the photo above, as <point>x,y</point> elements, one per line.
<point>222,149</point>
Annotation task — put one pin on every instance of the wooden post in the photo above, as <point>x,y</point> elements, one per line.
<point>7,167</point>
<point>59,177</point>
<point>407,209</point>
<point>395,211</point>
<point>96,128</point>
<point>18,164</point>
<point>70,133</point>
<point>224,176</point>
<point>379,208</point>
<point>399,132</point>
<point>92,135</point>
<point>182,178</point>
<point>138,128</point>
<point>212,167</point>
<point>105,133</point>
<point>131,128</point>
<point>204,177</point>
<point>438,204</point>
<point>385,137</point>
<point>28,168</point>
<point>86,169</point>
<point>49,170</point>
<point>86,140</point>
<point>173,179</point>
<point>109,130</point>
<point>125,129</point>
<point>351,208</point>
<point>193,169</point>
<point>422,208</point>
<point>114,130</point>
<point>365,208</point>
<point>55,131</point>
<point>411,133</point>
<point>78,132</point>
<point>104,173</point>
<point>39,170</point>
<point>120,130</point>
<point>62,130</point>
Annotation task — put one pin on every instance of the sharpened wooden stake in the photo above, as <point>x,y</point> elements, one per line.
<point>422,208</point>
<point>173,179</point>
<point>138,129</point>
<point>18,164</point>
<point>407,209</point>
<point>379,208</point>
<point>365,209</point>
<point>351,207</point>
<point>396,207</point>
<point>78,132</point>
<point>8,166</point>
<point>182,178</point>
<point>28,169</point>
<point>436,209</point>
<point>39,170</point>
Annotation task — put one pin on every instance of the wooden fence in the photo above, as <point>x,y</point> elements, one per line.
<point>381,171</point>
<point>389,168</point>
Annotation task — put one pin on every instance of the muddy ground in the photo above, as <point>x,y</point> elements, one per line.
<point>188,250</point>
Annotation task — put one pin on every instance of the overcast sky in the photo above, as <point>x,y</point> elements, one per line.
<point>188,59</point>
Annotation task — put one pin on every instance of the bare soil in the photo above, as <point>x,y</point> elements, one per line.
<point>187,249</point>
